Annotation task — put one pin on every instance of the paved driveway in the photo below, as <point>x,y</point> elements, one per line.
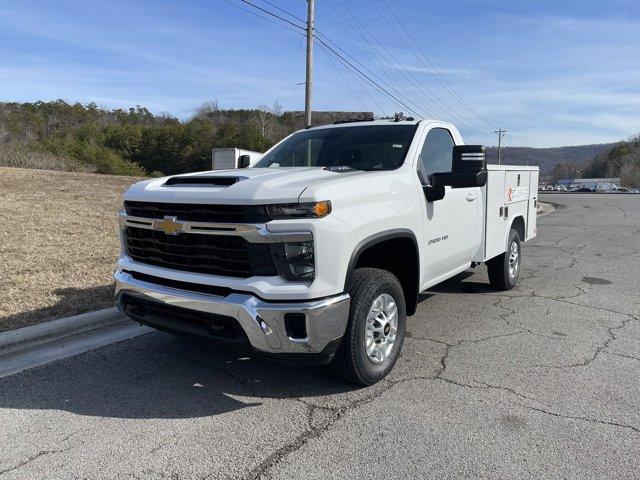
<point>539,382</point>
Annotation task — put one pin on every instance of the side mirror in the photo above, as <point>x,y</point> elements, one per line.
<point>244,161</point>
<point>433,194</point>
<point>468,168</point>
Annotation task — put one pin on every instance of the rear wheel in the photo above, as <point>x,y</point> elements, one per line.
<point>375,330</point>
<point>504,269</point>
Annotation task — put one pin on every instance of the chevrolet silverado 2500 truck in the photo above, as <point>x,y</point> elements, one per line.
<point>318,252</point>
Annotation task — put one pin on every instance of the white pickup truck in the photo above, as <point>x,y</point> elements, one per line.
<point>318,252</point>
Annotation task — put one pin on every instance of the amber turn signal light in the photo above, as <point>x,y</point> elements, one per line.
<point>320,209</point>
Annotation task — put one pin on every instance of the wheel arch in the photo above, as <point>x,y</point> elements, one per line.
<point>518,224</point>
<point>406,267</point>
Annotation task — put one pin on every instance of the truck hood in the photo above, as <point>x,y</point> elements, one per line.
<point>246,186</point>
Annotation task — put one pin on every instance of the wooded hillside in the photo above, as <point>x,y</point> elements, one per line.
<point>75,137</point>
<point>61,136</point>
<point>548,158</point>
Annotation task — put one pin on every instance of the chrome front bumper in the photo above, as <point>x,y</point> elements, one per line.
<point>262,321</point>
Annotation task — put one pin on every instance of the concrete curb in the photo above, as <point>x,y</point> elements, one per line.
<point>27,337</point>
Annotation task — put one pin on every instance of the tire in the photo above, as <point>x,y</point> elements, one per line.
<point>501,276</point>
<point>352,361</point>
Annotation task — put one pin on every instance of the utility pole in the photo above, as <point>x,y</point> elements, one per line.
<point>501,134</point>
<point>309,79</point>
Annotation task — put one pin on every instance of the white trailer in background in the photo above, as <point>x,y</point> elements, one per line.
<point>228,158</point>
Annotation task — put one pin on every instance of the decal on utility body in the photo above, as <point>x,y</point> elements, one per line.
<point>516,194</point>
<point>437,239</point>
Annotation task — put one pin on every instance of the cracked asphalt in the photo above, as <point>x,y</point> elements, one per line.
<point>538,382</point>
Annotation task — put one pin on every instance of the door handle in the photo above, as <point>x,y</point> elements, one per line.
<point>471,197</point>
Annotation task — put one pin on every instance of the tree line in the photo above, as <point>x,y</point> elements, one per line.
<point>62,136</point>
<point>622,161</point>
<point>80,137</point>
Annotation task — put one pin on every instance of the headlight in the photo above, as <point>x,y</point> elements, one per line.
<point>299,210</point>
<point>295,261</point>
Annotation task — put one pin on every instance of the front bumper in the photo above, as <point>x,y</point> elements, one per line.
<point>262,322</point>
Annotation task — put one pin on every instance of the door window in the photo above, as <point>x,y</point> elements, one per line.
<point>437,152</point>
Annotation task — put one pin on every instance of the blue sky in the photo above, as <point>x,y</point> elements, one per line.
<point>561,72</point>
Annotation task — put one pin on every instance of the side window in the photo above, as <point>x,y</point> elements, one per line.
<point>437,152</point>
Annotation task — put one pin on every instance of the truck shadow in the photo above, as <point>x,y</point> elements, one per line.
<point>161,376</point>
<point>460,284</point>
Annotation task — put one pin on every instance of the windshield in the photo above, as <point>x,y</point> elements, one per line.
<point>379,147</point>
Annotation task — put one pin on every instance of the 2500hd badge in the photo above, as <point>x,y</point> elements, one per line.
<point>438,239</point>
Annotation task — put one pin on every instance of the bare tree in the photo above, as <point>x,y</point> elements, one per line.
<point>262,118</point>
<point>4,132</point>
<point>276,109</point>
<point>207,109</point>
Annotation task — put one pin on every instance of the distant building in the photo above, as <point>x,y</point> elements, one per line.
<point>598,184</point>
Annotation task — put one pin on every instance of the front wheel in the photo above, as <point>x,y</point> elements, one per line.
<point>504,269</point>
<point>376,327</point>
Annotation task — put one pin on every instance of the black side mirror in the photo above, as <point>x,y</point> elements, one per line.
<point>244,161</point>
<point>469,157</point>
<point>433,194</point>
<point>468,169</point>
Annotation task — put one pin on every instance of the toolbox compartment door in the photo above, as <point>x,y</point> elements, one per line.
<point>494,220</point>
<point>510,192</point>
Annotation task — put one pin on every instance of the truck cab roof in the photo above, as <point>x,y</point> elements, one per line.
<point>385,121</point>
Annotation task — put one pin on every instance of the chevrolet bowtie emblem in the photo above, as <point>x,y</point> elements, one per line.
<point>169,225</point>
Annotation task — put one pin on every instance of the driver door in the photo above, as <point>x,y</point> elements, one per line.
<point>451,224</point>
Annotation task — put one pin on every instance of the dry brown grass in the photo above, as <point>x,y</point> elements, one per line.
<point>58,243</point>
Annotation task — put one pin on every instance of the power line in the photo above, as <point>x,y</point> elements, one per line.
<point>272,14</point>
<point>414,84</point>
<point>374,83</point>
<point>334,64</point>
<point>284,11</point>
<point>469,124</point>
<point>441,79</point>
<point>351,34</point>
<point>240,7</point>
<point>349,31</point>
<point>327,47</point>
<point>355,71</point>
<point>356,26</point>
<point>346,54</point>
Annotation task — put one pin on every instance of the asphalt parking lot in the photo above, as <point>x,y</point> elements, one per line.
<point>540,382</point>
